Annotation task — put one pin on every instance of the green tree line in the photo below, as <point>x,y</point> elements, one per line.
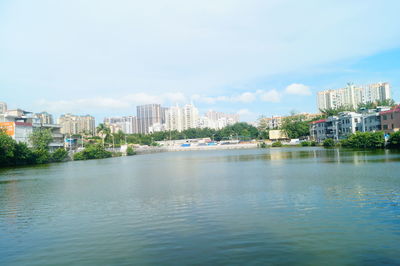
<point>241,131</point>
<point>366,140</point>
<point>18,153</point>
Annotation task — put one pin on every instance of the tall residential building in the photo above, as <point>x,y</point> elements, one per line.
<point>353,95</point>
<point>147,115</point>
<point>3,107</point>
<point>182,118</point>
<point>45,118</point>
<point>174,118</point>
<point>127,124</point>
<point>217,120</point>
<point>76,124</point>
<point>214,115</point>
<point>190,116</point>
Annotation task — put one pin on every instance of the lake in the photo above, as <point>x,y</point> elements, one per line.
<point>260,206</point>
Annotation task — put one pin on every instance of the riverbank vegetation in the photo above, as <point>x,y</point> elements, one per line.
<point>238,131</point>
<point>90,152</point>
<point>18,153</point>
<point>366,140</point>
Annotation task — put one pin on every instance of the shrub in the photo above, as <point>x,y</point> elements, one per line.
<point>23,155</point>
<point>96,151</point>
<point>394,140</point>
<point>262,145</point>
<point>59,155</point>
<point>42,155</point>
<point>277,144</point>
<point>313,143</point>
<point>328,143</point>
<point>130,151</point>
<point>305,143</point>
<point>370,140</point>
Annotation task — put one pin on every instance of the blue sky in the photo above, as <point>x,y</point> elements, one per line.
<point>252,57</point>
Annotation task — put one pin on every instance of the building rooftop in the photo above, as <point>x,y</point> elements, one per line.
<point>318,121</point>
<point>394,109</point>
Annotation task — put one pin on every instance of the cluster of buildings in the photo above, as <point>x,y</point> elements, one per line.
<point>339,127</point>
<point>154,118</point>
<point>353,95</point>
<point>77,124</point>
<point>275,122</point>
<point>20,124</point>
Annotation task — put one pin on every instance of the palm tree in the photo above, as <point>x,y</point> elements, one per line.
<point>103,131</point>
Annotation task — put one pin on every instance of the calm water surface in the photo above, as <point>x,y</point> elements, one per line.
<point>272,206</point>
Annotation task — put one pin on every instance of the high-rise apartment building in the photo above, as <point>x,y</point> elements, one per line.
<point>127,124</point>
<point>182,118</point>
<point>76,124</point>
<point>353,95</point>
<point>45,118</point>
<point>190,116</point>
<point>3,107</point>
<point>217,120</point>
<point>147,115</point>
<point>174,118</point>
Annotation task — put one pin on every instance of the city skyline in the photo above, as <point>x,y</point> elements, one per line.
<point>245,58</point>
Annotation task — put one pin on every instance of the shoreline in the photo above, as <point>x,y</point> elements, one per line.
<point>195,148</point>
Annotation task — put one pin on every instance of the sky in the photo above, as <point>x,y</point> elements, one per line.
<point>266,57</point>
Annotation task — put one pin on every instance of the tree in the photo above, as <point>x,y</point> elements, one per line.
<point>59,155</point>
<point>368,105</point>
<point>394,140</point>
<point>295,126</point>
<point>386,102</point>
<point>375,104</point>
<point>13,153</point>
<point>7,149</point>
<point>103,131</point>
<point>24,155</point>
<point>335,111</point>
<point>130,151</point>
<point>328,143</point>
<point>40,140</point>
<point>365,140</point>
<point>96,151</point>
<point>277,144</point>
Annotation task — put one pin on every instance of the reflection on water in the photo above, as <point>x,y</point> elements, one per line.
<point>270,206</point>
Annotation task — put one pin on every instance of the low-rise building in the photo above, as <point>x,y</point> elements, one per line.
<point>318,130</point>
<point>390,119</point>
<point>347,123</point>
<point>278,134</point>
<point>55,130</point>
<point>19,131</point>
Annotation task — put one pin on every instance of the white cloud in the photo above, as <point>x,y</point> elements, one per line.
<point>245,97</point>
<point>298,89</point>
<point>103,103</point>
<point>244,112</point>
<point>247,115</point>
<point>270,96</point>
<point>193,47</point>
<point>129,102</point>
